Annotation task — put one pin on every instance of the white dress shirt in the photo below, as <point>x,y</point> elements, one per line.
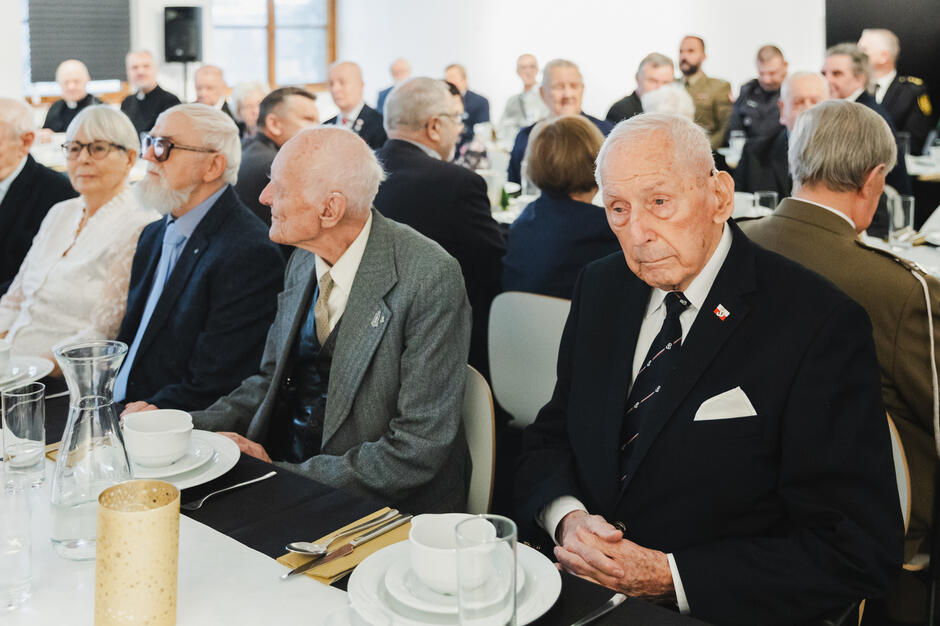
<point>350,118</point>
<point>883,83</point>
<point>855,95</point>
<point>343,273</point>
<point>6,182</point>
<point>74,287</point>
<point>695,293</point>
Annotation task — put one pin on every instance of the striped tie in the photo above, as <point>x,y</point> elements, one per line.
<point>321,312</point>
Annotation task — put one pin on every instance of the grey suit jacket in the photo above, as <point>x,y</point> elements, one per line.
<point>392,428</point>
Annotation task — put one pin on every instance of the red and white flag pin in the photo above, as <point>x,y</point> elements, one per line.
<point>722,313</point>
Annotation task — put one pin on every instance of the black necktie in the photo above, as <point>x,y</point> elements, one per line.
<point>660,362</point>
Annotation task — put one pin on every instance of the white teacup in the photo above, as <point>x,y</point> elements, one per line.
<point>5,349</point>
<point>157,438</point>
<point>434,550</point>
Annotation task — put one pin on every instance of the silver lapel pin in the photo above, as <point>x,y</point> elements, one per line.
<point>377,319</point>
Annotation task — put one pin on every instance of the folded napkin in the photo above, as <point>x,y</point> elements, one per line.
<point>52,451</point>
<point>335,570</point>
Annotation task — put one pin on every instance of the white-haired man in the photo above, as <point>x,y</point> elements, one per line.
<point>362,378</point>
<point>671,98</point>
<point>439,199</point>
<point>526,108</point>
<point>717,409</point>
<point>27,189</point>
<point>656,70</point>
<point>204,279</point>
<point>72,77</point>
<point>211,89</point>
<point>345,83</point>
<point>562,90</point>
<point>839,155</point>
<point>905,98</point>
<point>149,99</point>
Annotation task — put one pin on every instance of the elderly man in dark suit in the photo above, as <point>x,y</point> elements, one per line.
<point>717,409</point>
<point>27,189</point>
<point>440,200</point>
<point>203,280</point>
<point>476,108</point>
<point>362,378</point>
<point>345,83</point>
<point>655,71</point>
<point>72,77</point>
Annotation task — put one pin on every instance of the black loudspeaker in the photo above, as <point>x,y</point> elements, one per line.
<point>182,34</point>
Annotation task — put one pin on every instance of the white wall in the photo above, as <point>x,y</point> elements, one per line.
<point>11,50</point>
<point>607,38</point>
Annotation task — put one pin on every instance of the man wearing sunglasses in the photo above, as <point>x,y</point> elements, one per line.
<point>204,278</point>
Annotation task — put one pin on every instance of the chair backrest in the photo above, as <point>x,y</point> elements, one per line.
<point>525,330</point>
<point>901,472</point>
<point>479,426</point>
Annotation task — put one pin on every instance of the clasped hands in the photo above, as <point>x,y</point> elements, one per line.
<point>593,549</point>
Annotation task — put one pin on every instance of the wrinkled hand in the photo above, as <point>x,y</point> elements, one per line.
<point>137,407</point>
<point>593,549</point>
<point>249,447</point>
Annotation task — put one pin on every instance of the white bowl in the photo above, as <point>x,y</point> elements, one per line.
<point>434,550</point>
<point>157,438</point>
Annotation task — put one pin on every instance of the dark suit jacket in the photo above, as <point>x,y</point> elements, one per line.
<point>22,210</point>
<point>773,518</point>
<point>625,108</point>
<point>144,113</point>
<point>380,101</point>
<point>897,177</point>
<point>551,242</point>
<point>522,141</point>
<point>368,126</point>
<point>755,112</point>
<point>906,101</point>
<point>763,165</point>
<point>447,203</point>
<point>207,332</point>
<point>60,115</point>
<point>476,109</point>
<point>257,155</point>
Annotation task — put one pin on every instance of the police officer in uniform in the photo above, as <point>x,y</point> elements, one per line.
<point>756,111</point>
<point>904,97</point>
<point>712,96</point>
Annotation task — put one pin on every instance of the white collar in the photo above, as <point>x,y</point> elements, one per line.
<point>353,115</point>
<point>218,105</point>
<point>698,290</point>
<point>855,95</point>
<point>6,182</point>
<point>343,272</point>
<point>426,149</point>
<point>830,209</point>
<point>885,80</point>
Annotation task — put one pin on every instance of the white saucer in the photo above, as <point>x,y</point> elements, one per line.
<point>405,586</point>
<point>369,596</point>
<point>35,367</point>
<point>199,452</point>
<point>223,457</point>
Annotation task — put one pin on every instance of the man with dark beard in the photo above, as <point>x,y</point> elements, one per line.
<point>204,279</point>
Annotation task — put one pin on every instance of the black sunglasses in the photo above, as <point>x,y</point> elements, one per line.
<point>162,147</point>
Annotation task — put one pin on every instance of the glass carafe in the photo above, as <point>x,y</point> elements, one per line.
<point>91,456</point>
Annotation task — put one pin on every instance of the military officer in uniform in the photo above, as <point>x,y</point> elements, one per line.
<point>904,97</point>
<point>756,111</point>
<point>655,71</point>
<point>818,227</point>
<point>712,96</point>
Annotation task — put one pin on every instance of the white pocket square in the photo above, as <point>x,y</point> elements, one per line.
<point>728,405</point>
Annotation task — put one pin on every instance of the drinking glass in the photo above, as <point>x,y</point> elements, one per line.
<point>765,200</point>
<point>904,144</point>
<point>486,571</point>
<point>901,221</point>
<point>24,432</point>
<point>736,140</point>
<point>15,557</point>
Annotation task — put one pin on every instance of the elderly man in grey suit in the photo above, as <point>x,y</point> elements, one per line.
<point>361,381</point>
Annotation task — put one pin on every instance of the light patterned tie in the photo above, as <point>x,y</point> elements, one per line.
<point>321,312</point>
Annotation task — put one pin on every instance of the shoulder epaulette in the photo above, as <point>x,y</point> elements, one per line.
<point>911,79</point>
<point>905,263</point>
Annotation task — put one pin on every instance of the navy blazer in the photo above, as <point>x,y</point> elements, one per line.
<point>368,125</point>
<point>897,177</point>
<point>207,332</point>
<point>522,141</point>
<point>773,517</point>
<point>29,198</point>
<point>476,109</point>
<point>551,242</point>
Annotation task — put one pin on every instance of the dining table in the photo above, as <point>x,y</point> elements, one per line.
<point>227,550</point>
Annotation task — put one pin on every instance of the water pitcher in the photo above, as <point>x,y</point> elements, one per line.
<point>91,456</point>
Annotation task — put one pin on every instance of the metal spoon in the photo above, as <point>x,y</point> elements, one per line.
<point>314,549</point>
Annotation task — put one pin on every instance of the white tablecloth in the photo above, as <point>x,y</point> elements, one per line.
<point>220,582</point>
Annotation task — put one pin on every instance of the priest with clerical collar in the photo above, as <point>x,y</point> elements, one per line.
<point>73,77</point>
<point>149,99</point>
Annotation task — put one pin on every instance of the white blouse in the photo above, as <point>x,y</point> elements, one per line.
<point>74,288</point>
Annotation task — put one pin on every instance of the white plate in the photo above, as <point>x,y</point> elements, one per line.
<point>223,459</point>
<point>405,586</point>
<point>35,367</point>
<point>367,592</point>
<point>199,452</point>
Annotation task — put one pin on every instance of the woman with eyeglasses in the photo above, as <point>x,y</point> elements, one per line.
<point>72,285</point>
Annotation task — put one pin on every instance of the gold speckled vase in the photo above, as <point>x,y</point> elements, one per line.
<point>138,551</point>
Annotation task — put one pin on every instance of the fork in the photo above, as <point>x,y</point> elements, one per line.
<point>197,504</point>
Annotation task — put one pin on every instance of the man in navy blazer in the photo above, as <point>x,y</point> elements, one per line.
<point>476,108</point>
<point>718,409</point>
<point>562,90</point>
<point>345,82</point>
<point>204,280</point>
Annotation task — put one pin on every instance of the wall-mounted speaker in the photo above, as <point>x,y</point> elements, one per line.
<point>182,34</point>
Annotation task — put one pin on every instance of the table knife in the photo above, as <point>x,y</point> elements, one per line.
<point>615,601</point>
<point>348,548</point>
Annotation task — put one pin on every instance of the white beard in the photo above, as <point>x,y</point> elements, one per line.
<point>156,194</point>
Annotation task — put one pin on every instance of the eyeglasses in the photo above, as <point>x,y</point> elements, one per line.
<point>162,147</point>
<point>96,149</point>
<point>457,117</point>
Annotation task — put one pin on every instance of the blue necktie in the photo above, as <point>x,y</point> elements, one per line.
<point>172,243</point>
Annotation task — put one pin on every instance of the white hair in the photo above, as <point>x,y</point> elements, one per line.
<point>218,132</point>
<point>689,141</point>
<point>358,177</point>
<point>836,144</point>
<point>17,115</point>
<point>791,78</point>
<point>410,104</point>
<point>104,123</point>
<point>557,64</point>
<point>889,41</point>
<point>244,89</point>
<point>672,98</point>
